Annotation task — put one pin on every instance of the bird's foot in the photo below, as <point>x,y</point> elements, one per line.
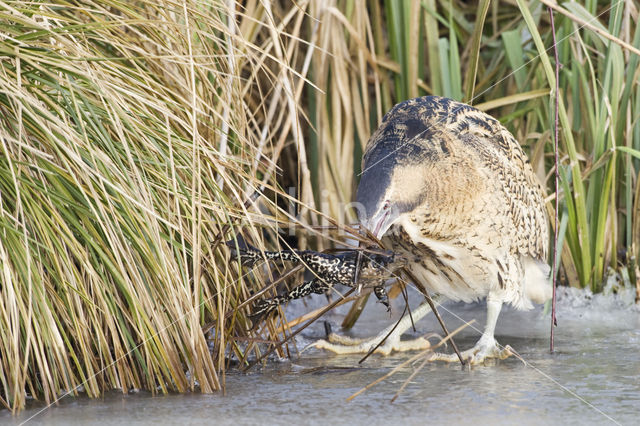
<point>347,345</point>
<point>484,350</point>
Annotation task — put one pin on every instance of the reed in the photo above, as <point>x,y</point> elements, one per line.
<point>132,134</point>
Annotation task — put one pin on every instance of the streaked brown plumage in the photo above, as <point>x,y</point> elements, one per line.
<point>450,188</point>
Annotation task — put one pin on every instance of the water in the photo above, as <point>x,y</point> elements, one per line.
<point>593,378</point>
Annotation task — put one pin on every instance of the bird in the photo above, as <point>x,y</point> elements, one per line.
<point>449,188</point>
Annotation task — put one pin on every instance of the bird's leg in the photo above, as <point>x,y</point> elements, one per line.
<point>487,347</point>
<point>345,345</point>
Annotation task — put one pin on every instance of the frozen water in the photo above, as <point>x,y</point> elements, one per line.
<point>592,378</point>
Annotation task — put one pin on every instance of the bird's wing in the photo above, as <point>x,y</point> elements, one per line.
<point>502,155</point>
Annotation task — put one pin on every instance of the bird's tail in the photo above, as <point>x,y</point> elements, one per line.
<point>537,283</point>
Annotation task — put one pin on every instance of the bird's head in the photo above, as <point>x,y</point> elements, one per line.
<point>397,168</point>
<point>387,191</point>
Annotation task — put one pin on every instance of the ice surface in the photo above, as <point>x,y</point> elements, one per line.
<point>592,378</point>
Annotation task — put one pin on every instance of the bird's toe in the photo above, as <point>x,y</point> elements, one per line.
<point>493,352</point>
<point>340,344</point>
<point>479,354</point>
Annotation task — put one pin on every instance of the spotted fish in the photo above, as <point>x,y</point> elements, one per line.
<point>326,269</point>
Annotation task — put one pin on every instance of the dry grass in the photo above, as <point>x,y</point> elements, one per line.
<point>131,135</point>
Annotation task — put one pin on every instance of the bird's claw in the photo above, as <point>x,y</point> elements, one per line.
<point>476,355</point>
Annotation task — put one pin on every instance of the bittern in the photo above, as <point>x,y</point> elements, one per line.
<point>449,188</point>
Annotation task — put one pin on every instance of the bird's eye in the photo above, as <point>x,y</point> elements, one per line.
<point>386,205</point>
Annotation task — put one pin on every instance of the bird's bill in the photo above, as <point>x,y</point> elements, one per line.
<point>380,223</point>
